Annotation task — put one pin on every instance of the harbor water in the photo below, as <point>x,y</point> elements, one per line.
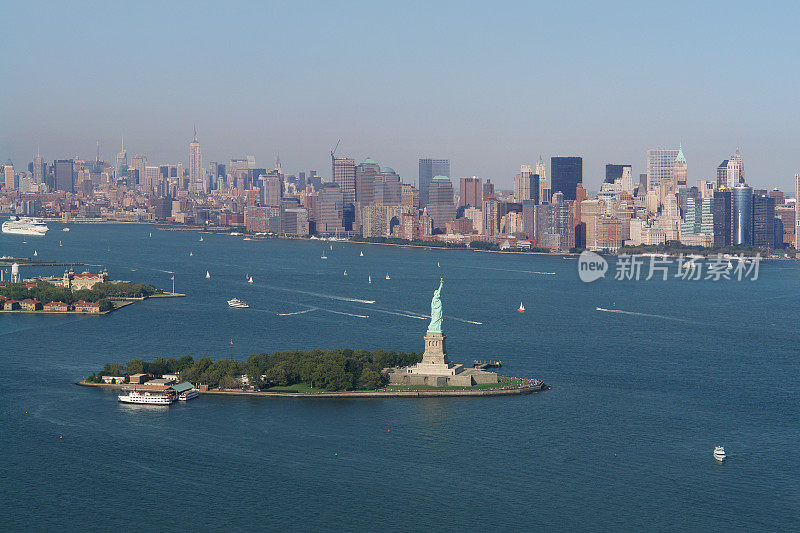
<point>623,440</point>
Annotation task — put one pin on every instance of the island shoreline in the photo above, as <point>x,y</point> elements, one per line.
<point>381,393</point>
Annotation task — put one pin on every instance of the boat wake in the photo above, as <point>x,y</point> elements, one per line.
<point>634,313</point>
<point>464,320</point>
<point>298,312</point>
<point>516,270</point>
<point>319,295</point>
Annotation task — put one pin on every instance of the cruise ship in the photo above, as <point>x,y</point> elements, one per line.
<point>25,226</point>
<point>165,397</point>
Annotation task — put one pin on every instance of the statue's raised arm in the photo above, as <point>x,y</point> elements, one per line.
<point>436,310</point>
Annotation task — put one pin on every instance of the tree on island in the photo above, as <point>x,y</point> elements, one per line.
<point>331,370</point>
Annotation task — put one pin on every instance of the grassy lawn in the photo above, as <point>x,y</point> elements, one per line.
<point>298,387</point>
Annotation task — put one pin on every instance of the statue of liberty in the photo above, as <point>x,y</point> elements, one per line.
<point>436,310</point>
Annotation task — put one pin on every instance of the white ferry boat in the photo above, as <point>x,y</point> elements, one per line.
<point>236,303</point>
<point>148,397</point>
<point>24,226</point>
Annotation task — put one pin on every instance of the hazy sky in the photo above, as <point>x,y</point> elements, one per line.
<point>488,85</point>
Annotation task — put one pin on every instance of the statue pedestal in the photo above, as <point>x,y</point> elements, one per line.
<point>434,360</point>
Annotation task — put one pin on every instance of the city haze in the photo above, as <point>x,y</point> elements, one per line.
<point>488,86</point>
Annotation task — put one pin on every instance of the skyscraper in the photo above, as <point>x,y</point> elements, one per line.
<point>343,172</point>
<point>764,221</point>
<point>526,185</point>
<point>565,174</point>
<point>195,160</point>
<point>723,217</point>
<point>660,166</point>
<point>544,186</point>
<point>441,207</point>
<point>38,168</point>
<point>679,169</point>
<point>64,180</point>
<point>139,163</point>
<point>471,192</point>
<point>120,161</point>
<point>9,175</point>
<point>428,168</point>
<point>742,215</point>
<point>329,209</point>
<point>366,174</point>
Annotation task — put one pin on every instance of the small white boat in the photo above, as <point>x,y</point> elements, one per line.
<point>150,234</point>
<point>189,394</point>
<point>236,303</point>
<point>719,453</point>
<point>191,254</point>
<point>324,256</point>
<point>35,253</point>
<point>387,276</point>
<point>437,264</point>
<point>59,243</point>
<point>250,279</point>
<point>362,253</point>
<point>65,229</point>
<point>345,272</point>
<point>208,274</point>
<point>370,279</point>
<point>521,308</point>
<point>201,238</point>
<point>331,247</point>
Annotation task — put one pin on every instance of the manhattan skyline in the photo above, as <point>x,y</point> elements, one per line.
<point>456,84</point>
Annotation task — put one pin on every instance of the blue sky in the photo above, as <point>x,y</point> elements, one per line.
<point>489,85</point>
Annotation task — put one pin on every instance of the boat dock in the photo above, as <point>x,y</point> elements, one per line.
<point>483,365</point>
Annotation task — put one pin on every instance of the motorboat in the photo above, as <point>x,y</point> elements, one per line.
<point>65,229</point>
<point>719,453</point>
<point>236,303</point>
<point>24,226</point>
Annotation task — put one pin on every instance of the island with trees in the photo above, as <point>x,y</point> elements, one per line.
<point>317,373</point>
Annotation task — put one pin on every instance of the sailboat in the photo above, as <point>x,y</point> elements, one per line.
<point>387,276</point>
<point>191,254</point>
<point>151,234</point>
<point>345,272</point>
<point>362,253</point>
<point>331,247</point>
<point>59,243</point>
<point>323,255</point>
<point>521,308</point>
<point>208,274</point>
<point>437,264</point>
<point>370,279</point>
<point>250,280</point>
<point>201,238</point>
<point>35,253</point>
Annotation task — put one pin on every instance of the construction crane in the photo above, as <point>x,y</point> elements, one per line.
<point>334,148</point>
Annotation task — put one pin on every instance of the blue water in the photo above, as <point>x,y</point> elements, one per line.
<point>623,440</point>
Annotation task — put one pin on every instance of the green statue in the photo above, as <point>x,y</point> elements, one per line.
<point>436,310</point>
